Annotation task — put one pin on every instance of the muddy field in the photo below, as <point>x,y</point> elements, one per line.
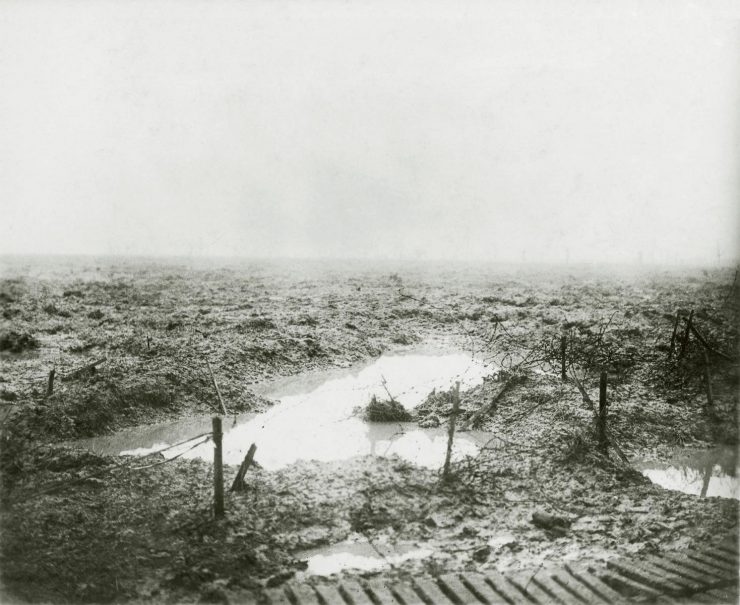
<point>93,527</point>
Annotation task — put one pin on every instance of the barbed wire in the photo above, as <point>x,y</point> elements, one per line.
<point>175,457</point>
<point>529,357</point>
<point>118,466</point>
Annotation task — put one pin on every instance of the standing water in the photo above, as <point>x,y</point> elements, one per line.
<point>704,473</point>
<point>316,417</point>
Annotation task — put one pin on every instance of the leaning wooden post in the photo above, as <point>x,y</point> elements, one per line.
<point>602,410</point>
<point>238,484</point>
<point>673,337</point>
<point>708,381</point>
<point>50,383</point>
<point>563,348</point>
<point>451,430</point>
<point>218,470</point>
<point>685,340</point>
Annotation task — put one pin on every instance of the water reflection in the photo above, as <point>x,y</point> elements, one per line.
<point>316,419</point>
<point>703,473</point>
<point>359,556</point>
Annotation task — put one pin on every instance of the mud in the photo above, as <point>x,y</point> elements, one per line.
<point>78,526</point>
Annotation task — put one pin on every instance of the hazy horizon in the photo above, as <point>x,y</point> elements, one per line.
<point>225,261</point>
<point>537,132</point>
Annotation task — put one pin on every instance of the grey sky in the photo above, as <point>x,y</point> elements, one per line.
<point>371,129</point>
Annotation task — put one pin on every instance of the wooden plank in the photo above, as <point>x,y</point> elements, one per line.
<point>354,592</point>
<point>483,591</point>
<point>406,593</point>
<point>719,553</point>
<point>502,585</point>
<point>666,600</point>
<point>719,564</point>
<point>708,570</point>
<point>725,595</point>
<point>646,575</point>
<point>595,583</point>
<point>431,591</point>
<point>703,597</point>
<point>277,596</point>
<point>304,594</point>
<point>329,594</point>
<point>678,579</point>
<point>701,579</point>
<point>525,581</point>
<point>581,590</point>
<point>712,561</point>
<point>728,547</point>
<point>551,586</point>
<point>689,583</point>
<point>381,592</point>
<point>459,592</point>
<point>630,587</point>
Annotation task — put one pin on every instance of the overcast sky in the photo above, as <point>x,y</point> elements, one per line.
<point>493,130</point>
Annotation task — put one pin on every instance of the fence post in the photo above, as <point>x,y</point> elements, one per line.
<point>708,381</point>
<point>685,340</point>
<point>673,337</point>
<point>50,384</point>
<point>218,470</point>
<point>602,410</point>
<point>563,348</point>
<point>451,431</point>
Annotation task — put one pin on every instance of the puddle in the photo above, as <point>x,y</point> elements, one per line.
<point>314,420</point>
<point>704,473</point>
<point>359,556</point>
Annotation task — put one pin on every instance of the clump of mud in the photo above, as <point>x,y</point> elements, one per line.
<point>385,410</point>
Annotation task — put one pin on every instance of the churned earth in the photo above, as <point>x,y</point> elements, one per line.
<point>83,527</point>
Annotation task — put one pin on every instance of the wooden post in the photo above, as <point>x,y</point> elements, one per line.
<point>602,410</point>
<point>451,430</point>
<point>238,484</point>
<point>563,347</point>
<point>708,468</point>
<point>708,383</point>
<point>673,337</point>
<point>218,470</point>
<point>686,333</point>
<point>218,391</point>
<point>50,384</point>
